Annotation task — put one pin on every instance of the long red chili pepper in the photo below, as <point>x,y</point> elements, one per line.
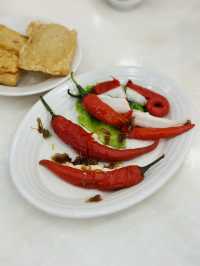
<point>158,133</point>
<point>83,142</point>
<point>100,110</point>
<point>106,86</point>
<point>103,112</point>
<point>157,104</point>
<point>103,180</point>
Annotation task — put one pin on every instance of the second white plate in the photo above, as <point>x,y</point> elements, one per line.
<point>33,82</point>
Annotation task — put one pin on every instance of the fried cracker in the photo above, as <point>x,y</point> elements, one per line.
<point>8,61</point>
<point>50,49</point>
<point>9,79</point>
<point>10,39</point>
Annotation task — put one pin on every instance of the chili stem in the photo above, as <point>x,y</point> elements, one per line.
<point>73,95</point>
<point>47,106</point>
<point>79,87</point>
<point>146,167</point>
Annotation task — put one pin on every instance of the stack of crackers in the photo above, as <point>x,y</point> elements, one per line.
<point>48,48</point>
<point>11,43</point>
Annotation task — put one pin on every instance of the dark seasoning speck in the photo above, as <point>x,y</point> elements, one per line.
<point>94,199</point>
<point>41,130</point>
<point>61,158</point>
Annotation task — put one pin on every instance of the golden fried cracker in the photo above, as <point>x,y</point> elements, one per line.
<point>8,61</point>
<point>10,39</point>
<point>50,49</point>
<point>10,79</point>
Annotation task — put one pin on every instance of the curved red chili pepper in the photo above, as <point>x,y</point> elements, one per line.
<point>97,108</point>
<point>157,104</point>
<point>103,180</point>
<point>158,133</point>
<point>103,112</point>
<point>83,142</point>
<point>106,86</point>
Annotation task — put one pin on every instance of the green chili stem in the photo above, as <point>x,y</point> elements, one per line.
<point>74,95</point>
<point>146,167</point>
<point>79,87</point>
<point>47,106</point>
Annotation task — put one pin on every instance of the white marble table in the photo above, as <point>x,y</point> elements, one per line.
<point>162,230</point>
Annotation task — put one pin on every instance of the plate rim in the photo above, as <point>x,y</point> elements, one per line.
<point>123,205</point>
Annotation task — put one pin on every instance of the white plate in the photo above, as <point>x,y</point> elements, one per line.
<point>50,194</point>
<point>34,82</point>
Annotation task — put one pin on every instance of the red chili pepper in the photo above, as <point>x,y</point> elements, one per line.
<point>103,112</point>
<point>158,133</point>
<point>157,104</point>
<point>103,180</point>
<point>106,86</point>
<point>97,108</point>
<point>83,142</point>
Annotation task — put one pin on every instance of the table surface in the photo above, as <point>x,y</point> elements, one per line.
<point>163,229</point>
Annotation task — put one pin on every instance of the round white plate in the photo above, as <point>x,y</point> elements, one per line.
<point>34,82</point>
<point>49,193</point>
